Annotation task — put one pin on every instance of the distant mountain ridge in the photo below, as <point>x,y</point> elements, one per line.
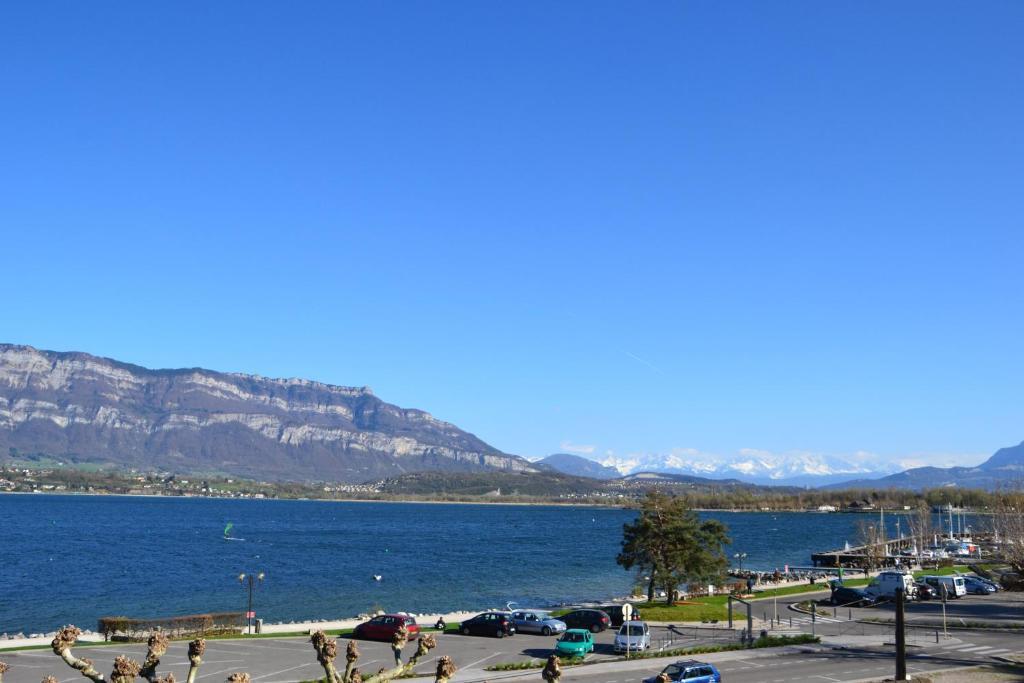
<point>578,466</point>
<point>83,408</point>
<point>1004,468</point>
<point>755,467</point>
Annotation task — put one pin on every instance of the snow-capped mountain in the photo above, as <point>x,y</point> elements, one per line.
<point>756,466</point>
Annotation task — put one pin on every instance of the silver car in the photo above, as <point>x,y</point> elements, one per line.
<point>535,621</point>
<point>633,636</point>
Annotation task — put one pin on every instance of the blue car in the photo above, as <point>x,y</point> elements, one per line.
<point>976,586</point>
<point>689,671</point>
<point>535,621</point>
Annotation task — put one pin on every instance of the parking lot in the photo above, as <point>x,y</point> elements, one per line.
<point>994,608</point>
<point>293,659</point>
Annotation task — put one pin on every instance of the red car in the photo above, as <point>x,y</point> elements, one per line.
<point>384,627</point>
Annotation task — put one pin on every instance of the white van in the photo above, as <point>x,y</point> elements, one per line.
<point>885,584</point>
<point>955,586</point>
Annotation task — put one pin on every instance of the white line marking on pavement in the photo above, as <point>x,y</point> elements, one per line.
<point>214,673</point>
<point>256,678</point>
<point>470,666</point>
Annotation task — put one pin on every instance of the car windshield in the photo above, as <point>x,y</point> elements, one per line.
<point>572,638</point>
<point>673,671</point>
<point>631,630</point>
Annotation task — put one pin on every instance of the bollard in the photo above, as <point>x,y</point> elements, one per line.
<point>851,615</point>
<point>834,614</point>
<point>936,635</point>
<point>791,622</point>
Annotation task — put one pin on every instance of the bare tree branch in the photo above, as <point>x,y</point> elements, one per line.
<point>551,671</point>
<point>196,649</point>
<point>125,670</point>
<point>445,669</point>
<point>62,644</point>
<point>157,648</point>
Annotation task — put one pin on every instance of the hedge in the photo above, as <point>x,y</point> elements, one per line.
<point>138,630</point>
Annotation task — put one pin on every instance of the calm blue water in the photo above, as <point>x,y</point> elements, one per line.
<point>72,559</point>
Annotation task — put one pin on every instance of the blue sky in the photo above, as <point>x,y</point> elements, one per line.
<point>592,226</point>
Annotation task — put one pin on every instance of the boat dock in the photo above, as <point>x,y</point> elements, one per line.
<point>885,553</point>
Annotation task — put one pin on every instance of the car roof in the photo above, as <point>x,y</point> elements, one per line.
<point>578,630</point>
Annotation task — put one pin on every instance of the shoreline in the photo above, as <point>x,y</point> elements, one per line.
<point>500,503</point>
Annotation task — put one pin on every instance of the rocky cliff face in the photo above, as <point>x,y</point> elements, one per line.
<point>82,408</point>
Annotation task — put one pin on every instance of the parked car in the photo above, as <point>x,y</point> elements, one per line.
<point>954,585</point>
<point>497,624</point>
<point>615,612</point>
<point>690,671</point>
<point>383,627</point>
<point>844,596</point>
<point>592,619</point>
<point>990,582</point>
<point>633,636</point>
<point>926,592</point>
<point>534,621</point>
<point>976,586</point>
<point>576,642</point>
<point>887,583</point>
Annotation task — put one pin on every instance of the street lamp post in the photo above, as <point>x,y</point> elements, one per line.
<point>252,578</point>
<point>739,559</point>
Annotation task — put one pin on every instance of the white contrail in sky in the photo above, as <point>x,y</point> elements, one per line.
<point>649,364</point>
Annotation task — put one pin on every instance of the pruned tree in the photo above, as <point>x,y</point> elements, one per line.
<point>125,669</point>
<point>327,651</point>
<point>669,541</point>
<point>445,669</point>
<point>552,670</point>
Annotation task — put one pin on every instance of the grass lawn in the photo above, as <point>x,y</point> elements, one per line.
<point>699,609</point>
<point>944,571</point>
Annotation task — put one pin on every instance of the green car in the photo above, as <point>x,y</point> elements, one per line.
<point>576,642</point>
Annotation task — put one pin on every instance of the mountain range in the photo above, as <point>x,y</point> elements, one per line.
<point>1004,469</point>
<point>83,409</point>
<point>578,466</point>
<point>80,408</point>
<point>757,467</point>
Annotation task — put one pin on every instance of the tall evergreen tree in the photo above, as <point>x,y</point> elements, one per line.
<point>671,545</point>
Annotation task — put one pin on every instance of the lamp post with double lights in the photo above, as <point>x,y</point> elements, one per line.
<point>252,578</point>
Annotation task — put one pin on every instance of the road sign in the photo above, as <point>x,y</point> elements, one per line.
<point>250,615</point>
<point>627,611</point>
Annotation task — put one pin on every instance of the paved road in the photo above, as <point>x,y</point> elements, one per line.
<point>826,664</point>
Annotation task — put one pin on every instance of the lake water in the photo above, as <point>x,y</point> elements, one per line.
<point>72,559</point>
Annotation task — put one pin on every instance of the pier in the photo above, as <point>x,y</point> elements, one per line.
<point>884,553</point>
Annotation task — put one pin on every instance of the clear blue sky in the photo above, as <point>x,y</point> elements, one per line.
<point>782,226</point>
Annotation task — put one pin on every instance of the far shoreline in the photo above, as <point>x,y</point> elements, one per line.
<point>498,503</point>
